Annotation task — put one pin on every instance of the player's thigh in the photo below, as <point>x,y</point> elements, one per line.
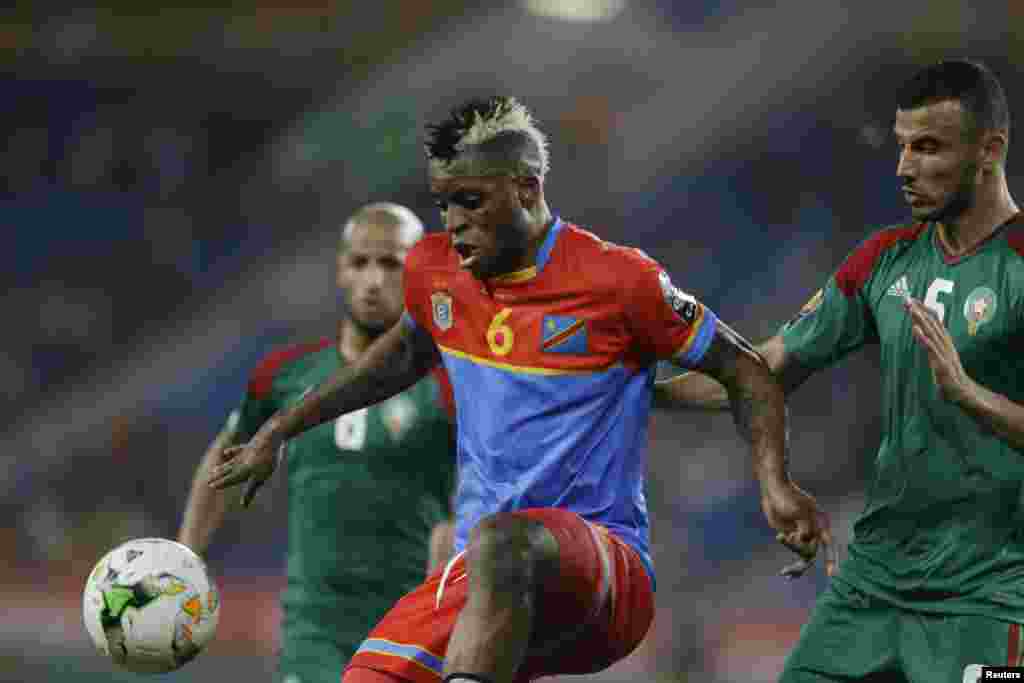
<point>937,647</point>
<point>359,674</point>
<point>410,640</point>
<point>849,636</point>
<point>597,608</point>
<point>593,611</point>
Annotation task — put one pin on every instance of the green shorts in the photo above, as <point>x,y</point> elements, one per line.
<point>851,636</point>
<point>318,637</point>
<point>314,653</point>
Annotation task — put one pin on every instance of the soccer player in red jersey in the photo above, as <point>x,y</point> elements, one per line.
<point>550,336</point>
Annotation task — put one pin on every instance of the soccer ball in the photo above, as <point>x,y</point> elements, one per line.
<point>150,605</point>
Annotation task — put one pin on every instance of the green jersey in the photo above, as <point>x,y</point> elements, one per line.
<point>943,527</point>
<point>364,491</point>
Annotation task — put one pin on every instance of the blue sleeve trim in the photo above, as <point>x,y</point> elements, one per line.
<point>692,356</point>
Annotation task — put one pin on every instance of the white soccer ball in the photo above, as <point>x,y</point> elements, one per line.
<point>150,605</point>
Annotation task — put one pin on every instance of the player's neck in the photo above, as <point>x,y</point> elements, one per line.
<point>545,222</point>
<point>353,340</point>
<point>975,225</point>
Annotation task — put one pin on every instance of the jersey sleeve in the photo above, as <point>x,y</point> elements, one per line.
<point>250,415</point>
<point>668,323</point>
<point>259,402</point>
<point>445,393</point>
<point>1015,238</point>
<point>415,290</point>
<point>834,322</point>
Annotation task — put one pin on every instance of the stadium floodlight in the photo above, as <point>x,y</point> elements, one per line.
<point>576,10</point>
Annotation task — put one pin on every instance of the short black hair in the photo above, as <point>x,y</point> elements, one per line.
<point>495,135</point>
<point>442,137</point>
<point>969,82</point>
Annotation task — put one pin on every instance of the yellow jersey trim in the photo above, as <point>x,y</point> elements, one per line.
<point>525,369</point>
<point>694,331</point>
<point>516,276</point>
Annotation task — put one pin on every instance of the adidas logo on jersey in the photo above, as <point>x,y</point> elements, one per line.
<point>899,288</point>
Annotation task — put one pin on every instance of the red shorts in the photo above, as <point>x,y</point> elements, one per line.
<point>594,613</point>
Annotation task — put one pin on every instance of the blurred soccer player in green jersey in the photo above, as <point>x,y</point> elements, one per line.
<point>934,580</point>
<point>365,492</point>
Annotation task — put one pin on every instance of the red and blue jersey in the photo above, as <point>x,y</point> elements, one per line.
<point>552,369</point>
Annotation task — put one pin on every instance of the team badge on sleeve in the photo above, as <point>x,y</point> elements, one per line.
<point>813,304</point>
<point>441,306</point>
<point>979,308</point>
<point>684,305</point>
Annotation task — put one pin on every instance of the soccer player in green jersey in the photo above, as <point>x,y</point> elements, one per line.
<point>365,491</point>
<point>934,580</point>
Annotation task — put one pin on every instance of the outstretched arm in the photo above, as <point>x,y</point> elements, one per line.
<point>757,402</point>
<point>206,509</point>
<point>994,411</point>
<point>758,406</point>
<point>397,360</point>
<point>695,390</point>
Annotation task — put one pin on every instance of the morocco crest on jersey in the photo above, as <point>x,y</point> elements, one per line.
<point>979,308</point>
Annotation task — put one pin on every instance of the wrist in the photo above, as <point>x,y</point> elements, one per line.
<point>275,429</point>
<point>191,542</point>
<point>964,393</point>
<point>772,477</point>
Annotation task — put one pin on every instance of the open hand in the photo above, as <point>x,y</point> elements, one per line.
<point>252,462</point>
<point>943,358</point>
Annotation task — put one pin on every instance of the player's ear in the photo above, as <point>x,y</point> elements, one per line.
<point>528,189</point>
<point>341,272</point>
<point>993,149</point>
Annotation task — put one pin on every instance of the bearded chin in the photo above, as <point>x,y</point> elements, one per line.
<point>953,209</point>
<point>371,330</point>
<point>507,260</point>
<point>512,250</point>
<point>959,203</point>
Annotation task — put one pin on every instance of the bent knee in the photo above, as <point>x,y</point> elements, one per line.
<point>511,551</point>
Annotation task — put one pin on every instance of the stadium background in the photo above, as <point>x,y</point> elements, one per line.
<point>174,180</point>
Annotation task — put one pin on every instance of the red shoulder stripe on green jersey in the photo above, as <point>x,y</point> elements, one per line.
<point>262,378</point>
<point>1015,236</point>
<point>857,267</point>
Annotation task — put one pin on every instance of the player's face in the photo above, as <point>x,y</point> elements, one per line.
<point>370,276</point>
<point>488,226</point>
<point>938,163</point>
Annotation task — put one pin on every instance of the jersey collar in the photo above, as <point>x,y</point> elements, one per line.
<point>953,260</point>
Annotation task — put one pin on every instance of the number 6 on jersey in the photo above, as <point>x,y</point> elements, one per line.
<point>350,430</point>
<point>931,299</point>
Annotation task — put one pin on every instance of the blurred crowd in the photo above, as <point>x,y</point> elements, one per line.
<point>174,182</point>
